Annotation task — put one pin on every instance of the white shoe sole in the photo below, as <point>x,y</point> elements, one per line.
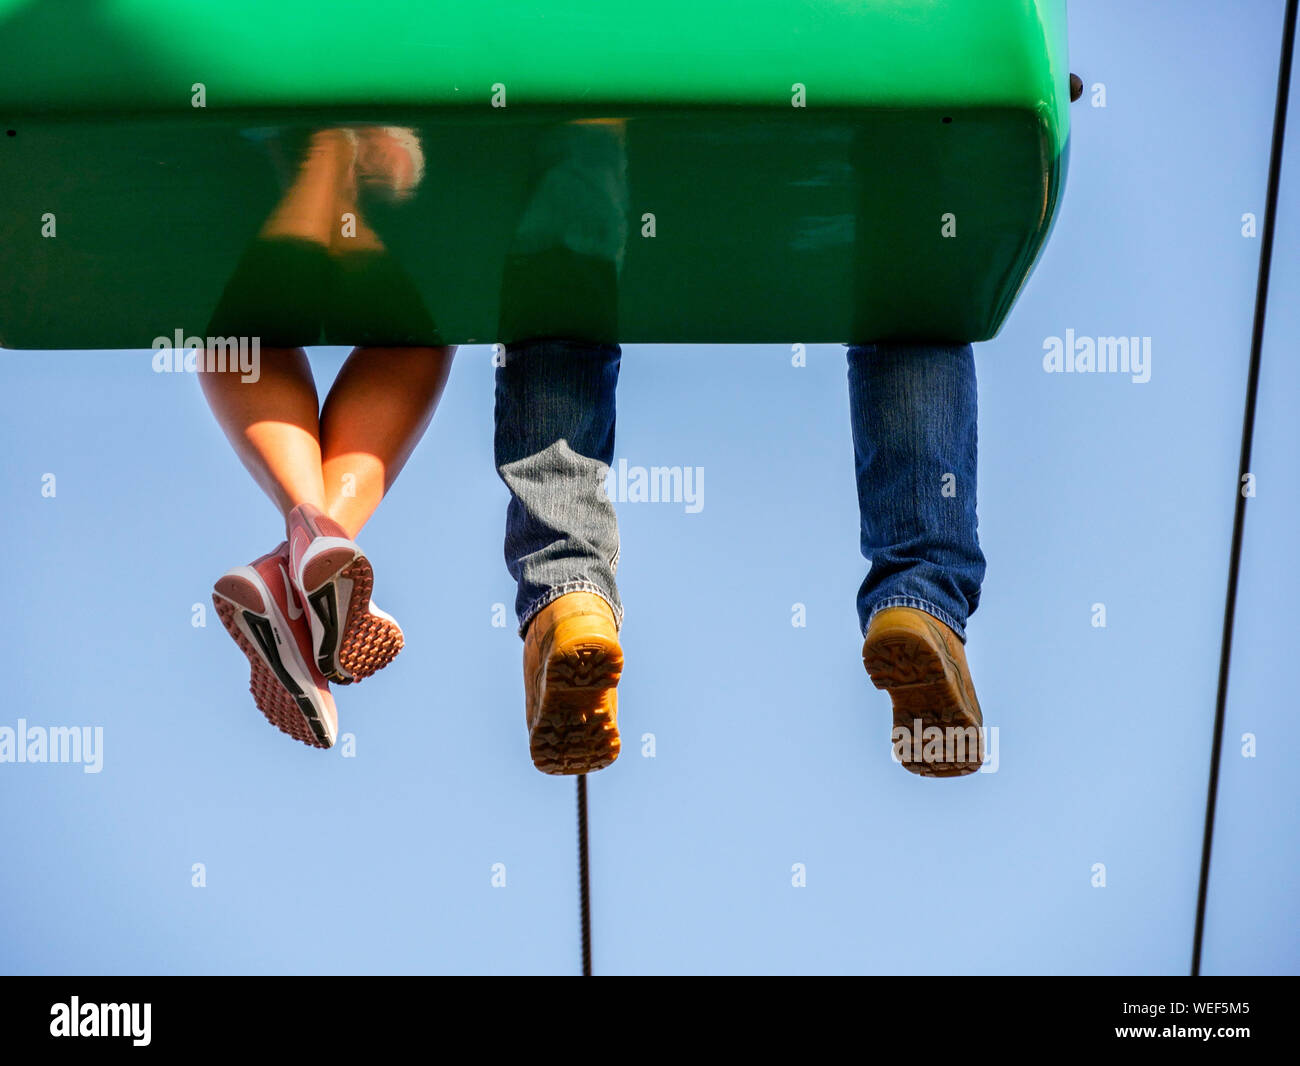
<point>281,680</point>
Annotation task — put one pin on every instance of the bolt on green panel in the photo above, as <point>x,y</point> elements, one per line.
<point>395,173</point>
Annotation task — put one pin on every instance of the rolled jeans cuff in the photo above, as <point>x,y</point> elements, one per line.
<point>553,594</point>
<point>920,605</point>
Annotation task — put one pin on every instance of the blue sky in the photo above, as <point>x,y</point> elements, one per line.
<point>771,747</point>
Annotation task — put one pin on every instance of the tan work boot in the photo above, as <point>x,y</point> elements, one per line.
<point>920,662</point>
<point>572,663</point>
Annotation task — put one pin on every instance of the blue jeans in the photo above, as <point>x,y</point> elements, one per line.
<point>912,408</point>
<point>913,411</point>
<point>554,444</point>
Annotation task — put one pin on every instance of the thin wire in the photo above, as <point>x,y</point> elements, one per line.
<point>584,881</point>
<point>1247,437</point>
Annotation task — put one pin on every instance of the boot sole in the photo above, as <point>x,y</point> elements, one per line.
<point>575,731</point>
<point>925,684</point>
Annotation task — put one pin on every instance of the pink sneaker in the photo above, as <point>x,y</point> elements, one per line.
<point>351,637</point>
<point>262,612</point>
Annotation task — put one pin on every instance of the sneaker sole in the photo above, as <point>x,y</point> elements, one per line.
<point>280,696</point>
<point>575,731</point>
<point>351,641</point>
<point>924,683</point>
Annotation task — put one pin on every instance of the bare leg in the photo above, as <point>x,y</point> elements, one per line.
<point>375,414</point>
<point>310,208</point>
<point>381,402</point>
<point>273,425</point>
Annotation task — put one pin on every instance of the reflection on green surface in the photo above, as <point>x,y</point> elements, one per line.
<point>648,180</point>
<point>780,227</point>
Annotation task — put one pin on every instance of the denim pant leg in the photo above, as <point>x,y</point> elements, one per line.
<point>554,443</point>
<point>913,408</point>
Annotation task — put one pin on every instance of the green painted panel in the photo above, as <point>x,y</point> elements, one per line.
<point>770,222</point>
